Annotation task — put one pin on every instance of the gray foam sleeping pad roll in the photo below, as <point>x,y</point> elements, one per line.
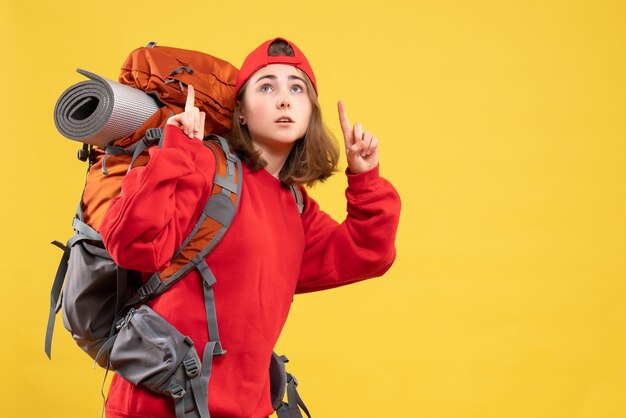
<point>98,111</point>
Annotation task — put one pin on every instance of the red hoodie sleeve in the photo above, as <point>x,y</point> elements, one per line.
<point>360,247</point>
<point>159,203</point>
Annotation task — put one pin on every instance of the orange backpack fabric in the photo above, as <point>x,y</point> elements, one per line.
<point>164,72</point>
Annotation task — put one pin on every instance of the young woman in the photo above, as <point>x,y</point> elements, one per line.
<point>271,251</point>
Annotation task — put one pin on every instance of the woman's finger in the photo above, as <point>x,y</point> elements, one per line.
<point>372,146</point>
<point>353,153</point>
<point>201,131</point>
<point>195,116</point>
<point>358,132</point>
<point>188,124</point>
<point>174,120</point>
<point>369,147</point>
<point>191,98</point>
<point>367,139</point>
<point>346,128</point>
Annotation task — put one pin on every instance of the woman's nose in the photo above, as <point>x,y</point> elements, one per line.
<point>284,103</point>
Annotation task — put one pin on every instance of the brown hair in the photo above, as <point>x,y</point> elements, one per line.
<point>313,158</point>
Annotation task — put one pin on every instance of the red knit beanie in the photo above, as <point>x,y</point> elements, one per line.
<point>259,58</point>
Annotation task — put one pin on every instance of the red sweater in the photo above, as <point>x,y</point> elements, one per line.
<point>269,254</point>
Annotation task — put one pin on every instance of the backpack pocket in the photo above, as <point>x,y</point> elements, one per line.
<point>150,351</point>
<point>89,297</point>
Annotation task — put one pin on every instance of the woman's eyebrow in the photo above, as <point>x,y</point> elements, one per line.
<point>273,77</point>
<point>295,77</point>
<point>270,76</point>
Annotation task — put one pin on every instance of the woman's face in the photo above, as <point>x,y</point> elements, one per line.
<point>276,107</point>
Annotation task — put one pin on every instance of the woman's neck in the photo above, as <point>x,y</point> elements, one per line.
<point>275,157</point>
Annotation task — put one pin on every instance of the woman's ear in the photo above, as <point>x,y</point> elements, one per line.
<point>240,112</point>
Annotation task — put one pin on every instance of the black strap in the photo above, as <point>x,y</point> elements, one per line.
<point>122,286</point>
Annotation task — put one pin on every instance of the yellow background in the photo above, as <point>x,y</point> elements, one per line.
<point>502,126</point>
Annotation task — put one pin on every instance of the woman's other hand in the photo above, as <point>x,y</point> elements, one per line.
<point>361,147</point>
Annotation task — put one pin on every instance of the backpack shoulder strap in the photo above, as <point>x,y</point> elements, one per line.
<point>299,196</point>
<point>213,223</point>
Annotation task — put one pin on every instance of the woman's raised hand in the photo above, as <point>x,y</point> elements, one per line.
<point>361,147</point>
<point>191,121</point>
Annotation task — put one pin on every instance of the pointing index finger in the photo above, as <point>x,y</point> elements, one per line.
<point>343,120</point>
<point>191,98</point>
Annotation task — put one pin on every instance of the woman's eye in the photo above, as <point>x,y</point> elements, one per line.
<point>265,88</point>
<point>297,89</point>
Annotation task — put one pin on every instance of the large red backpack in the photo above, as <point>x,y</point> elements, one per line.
<point>103,304</point>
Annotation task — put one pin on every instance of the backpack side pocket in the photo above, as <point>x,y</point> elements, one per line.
<point>89,297</point>
<point>151,352</point>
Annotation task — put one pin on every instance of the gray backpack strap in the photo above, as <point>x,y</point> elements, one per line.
<point>293,398</point>
<point>152,136</point>
<point>208,279</point>
<point>84,231</point>
<point>221,209</point>
<point>291,408</point>
<point>297,194</point>
<point>56,295</point>
<point>197,389</point>
<point>281,380</point>
<point>113,150</point>
<point>194,397</point>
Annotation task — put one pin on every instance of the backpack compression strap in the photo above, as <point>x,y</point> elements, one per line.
<point>151,137</point>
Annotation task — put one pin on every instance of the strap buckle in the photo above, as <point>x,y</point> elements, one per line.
<point>149,287</point>
<point>153,134</point>
<point>176,390</point>
<point>191,367</point>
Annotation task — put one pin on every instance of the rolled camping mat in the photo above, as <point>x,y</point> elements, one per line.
<point>98,111</point>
